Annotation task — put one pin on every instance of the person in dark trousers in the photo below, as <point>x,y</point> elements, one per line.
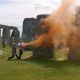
<point>20,49</point>
<point>13,52</point>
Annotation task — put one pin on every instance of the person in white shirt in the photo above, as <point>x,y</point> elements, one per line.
<point>20,48</point>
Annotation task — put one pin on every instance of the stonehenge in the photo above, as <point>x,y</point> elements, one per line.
<point>30,30</point>
<point>5,38</point>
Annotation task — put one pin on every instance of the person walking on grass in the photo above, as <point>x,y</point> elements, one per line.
<point>13,52</point>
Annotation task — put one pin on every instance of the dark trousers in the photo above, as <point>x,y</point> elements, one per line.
<point>13,55</point>
<point>20,53</point>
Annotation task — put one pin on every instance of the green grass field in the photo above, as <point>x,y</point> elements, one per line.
<point>37,69</point>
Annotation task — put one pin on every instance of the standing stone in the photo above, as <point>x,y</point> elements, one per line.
<point>15,33</point>
<point>15,36</point>
<point>74,52</point>
<point>8,36</point>
<point>28,34</point>
<point>4,38</point>
<point>0,36</point>
<point>29,25</point>
<point>39,17</point>
<point>42,51</point>
<point>38,29</point>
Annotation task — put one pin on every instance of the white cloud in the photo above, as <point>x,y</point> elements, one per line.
<point>12,12</point>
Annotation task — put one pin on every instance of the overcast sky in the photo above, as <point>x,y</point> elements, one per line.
<point>13,12</point>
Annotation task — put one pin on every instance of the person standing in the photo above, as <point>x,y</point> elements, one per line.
<point>20,49</point>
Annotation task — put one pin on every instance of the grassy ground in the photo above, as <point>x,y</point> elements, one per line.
<point>37,69</point>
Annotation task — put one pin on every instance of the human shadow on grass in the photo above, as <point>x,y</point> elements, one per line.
<point>48,63</point>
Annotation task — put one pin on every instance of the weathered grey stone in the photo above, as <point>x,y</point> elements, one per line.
<point>39,17</point>
<point>29,25</point>
<point>43,52</point>
<point>15,33</point>
<point>6,38</point>
<point>74,52</point>
<point>15,36</point>
<point>39,31</point>
<point>28,33</point>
